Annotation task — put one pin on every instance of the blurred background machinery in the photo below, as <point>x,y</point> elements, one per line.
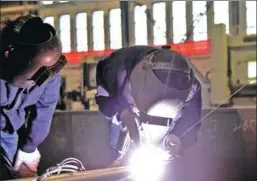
<point>91,30</point>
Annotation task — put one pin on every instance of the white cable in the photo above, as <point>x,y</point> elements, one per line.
<point>66,165</point>
<point>73,159</point>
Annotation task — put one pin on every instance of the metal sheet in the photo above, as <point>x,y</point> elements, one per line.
<point>57,145</point>
<point>220,151</point>
<point>83,135</point>
<point>110,174</point>
<point>90,135</point>
<point>219,154</point>
<point>248,127</point>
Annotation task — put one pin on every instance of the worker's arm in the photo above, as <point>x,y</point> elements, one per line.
<point>189,116</point>
<point>45,109</point>
<point>10,118</point>
<point>108,104</point>
<point>3,93</point>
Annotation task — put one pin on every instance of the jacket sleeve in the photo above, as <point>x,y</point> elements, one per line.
<point>108,104</point>
<point>189,116</point>
<point>45,109</point>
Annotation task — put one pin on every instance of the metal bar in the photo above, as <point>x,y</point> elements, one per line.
<point>109,174</point>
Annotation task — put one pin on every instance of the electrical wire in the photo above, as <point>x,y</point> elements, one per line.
<point>67,165</point>
<point>184,133</point>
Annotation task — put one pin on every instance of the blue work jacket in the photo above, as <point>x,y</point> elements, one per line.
<point>13,102</point>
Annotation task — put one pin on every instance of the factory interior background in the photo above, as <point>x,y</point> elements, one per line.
<point>91,30</point>
<point>221,46</point>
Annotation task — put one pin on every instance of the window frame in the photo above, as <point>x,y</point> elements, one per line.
<point>64,37</point>
<point>159,35</point>
<point>228,22</point>
<point>178,37</point>
<point>85,30</point>
<point>114,38</point>
<point>52,23</point>
<point>204,33</point>
<point>96,46</point>
<point>251,77</point>
<point>138,37</point>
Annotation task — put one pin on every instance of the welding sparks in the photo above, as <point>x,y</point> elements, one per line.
<point>148,163</point>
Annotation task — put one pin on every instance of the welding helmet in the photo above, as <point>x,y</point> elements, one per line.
<point>161,83</point>
<point>34,54</point>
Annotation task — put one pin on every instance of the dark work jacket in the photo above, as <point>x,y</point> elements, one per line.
<point>14,101</point>
<point>111,102</point>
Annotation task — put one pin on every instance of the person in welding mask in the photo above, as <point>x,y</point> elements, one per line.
<point>31,59</point>
<point>143,81</point>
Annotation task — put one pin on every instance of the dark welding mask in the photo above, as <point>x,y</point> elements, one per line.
<point>30,62</point>
<point>161,83</point>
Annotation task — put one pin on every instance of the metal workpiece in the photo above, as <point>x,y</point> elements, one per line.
<point>109,174</point>
<point>113,174</point>
<point>223,139</point>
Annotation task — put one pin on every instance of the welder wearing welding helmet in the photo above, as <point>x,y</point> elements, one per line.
<point>143,81</point>
<point>31,59</point>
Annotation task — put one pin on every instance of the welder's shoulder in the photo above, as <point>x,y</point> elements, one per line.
<point>54,82</point>
<point>197,83</point>
<point>51,90</point>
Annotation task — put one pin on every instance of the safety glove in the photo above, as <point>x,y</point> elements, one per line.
<point>27,163</point>
<point>172,144</point>
<point>131,124</point>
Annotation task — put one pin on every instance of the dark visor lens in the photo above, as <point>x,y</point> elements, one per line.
<point>54,69</point>
<point>45,73</point>
<point>41,76</point>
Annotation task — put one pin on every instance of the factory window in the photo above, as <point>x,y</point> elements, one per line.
<point>49,20</point>
<point>98,30</point>
<point>199,20</point>
<point>65,34</point>
<point>251,17</point>
<point>252,71</point>
<point>221,13</point>
<point>81,32</point>
<point>115,29</point>
<point>159,28</point>
<point>47,2</point>
<point>179,20</point>
<point>140,19</point>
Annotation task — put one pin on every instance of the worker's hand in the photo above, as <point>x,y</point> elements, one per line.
<point>131,123</point>
<point>172,145</point>
<point>30,160</point>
